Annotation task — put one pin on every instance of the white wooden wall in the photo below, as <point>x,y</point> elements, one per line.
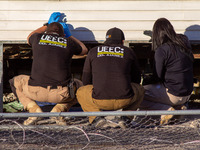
<point>89,20</point>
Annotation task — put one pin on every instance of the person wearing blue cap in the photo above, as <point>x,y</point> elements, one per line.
<point>50,79</point>
<point>111,78</point>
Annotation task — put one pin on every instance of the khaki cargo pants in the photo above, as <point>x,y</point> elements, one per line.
<point>26,93</point>
<point>89,104</point>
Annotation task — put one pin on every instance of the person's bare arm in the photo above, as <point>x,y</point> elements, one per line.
<point>84,48</point>
<point>39,30</point>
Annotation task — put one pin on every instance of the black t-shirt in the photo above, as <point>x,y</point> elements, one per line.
<point>111,69</point>
<point>52,59</point>
<point>175,69</point>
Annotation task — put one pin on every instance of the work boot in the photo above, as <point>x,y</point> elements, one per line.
<point>180,107</point>
<point>32,108</point>
<point>99,122</point>
<point>166,118</point>
<point>122,122</point>
<point>59,108</point>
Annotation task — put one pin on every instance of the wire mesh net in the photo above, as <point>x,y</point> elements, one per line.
<point>145,133</point>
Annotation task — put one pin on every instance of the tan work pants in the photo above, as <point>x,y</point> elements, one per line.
<point>27,93</point>
<point>89,104</point>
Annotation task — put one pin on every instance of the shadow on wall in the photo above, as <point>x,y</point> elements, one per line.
<point>82,33</point>
<point>193,32</point>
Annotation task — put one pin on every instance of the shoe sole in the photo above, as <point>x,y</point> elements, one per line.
<point>101,123</point>
<point>166,118</point>
<point>115,125</point>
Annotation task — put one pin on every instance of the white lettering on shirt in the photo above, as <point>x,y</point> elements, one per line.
<point>110,51</point>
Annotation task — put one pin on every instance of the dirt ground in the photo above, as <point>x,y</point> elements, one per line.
<point>147,134</point>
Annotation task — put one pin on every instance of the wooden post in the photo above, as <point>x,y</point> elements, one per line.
<point>1,77</point>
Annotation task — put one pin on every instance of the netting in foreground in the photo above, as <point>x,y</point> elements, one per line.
<point>147,134</point>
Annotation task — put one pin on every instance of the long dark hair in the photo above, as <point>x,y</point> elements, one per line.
<point>163,32</point>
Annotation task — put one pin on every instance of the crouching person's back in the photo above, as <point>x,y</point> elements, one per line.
<point>51,74</point>
<point>111,78</point>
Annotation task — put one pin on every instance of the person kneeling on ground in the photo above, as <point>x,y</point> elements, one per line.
<point>51,75</point>
<point>111,79</point>
<point>174,69</point>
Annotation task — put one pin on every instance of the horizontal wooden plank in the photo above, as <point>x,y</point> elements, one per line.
<point>91,36</point>
<point>93,0</point>
<point>84,36</point>
<point>99,25</point>
<point>197,56</point>
<point>102,15</point>
<point>99,5</point>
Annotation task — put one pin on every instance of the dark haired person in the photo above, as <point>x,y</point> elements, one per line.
<point>111,79</point>
<point>50,74</point>
<point>174,69</point>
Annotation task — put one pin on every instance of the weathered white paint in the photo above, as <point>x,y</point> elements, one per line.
<point>89,20</point>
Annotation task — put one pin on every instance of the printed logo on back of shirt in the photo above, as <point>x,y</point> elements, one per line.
<point>53,41</point>
<point>110,51</point>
